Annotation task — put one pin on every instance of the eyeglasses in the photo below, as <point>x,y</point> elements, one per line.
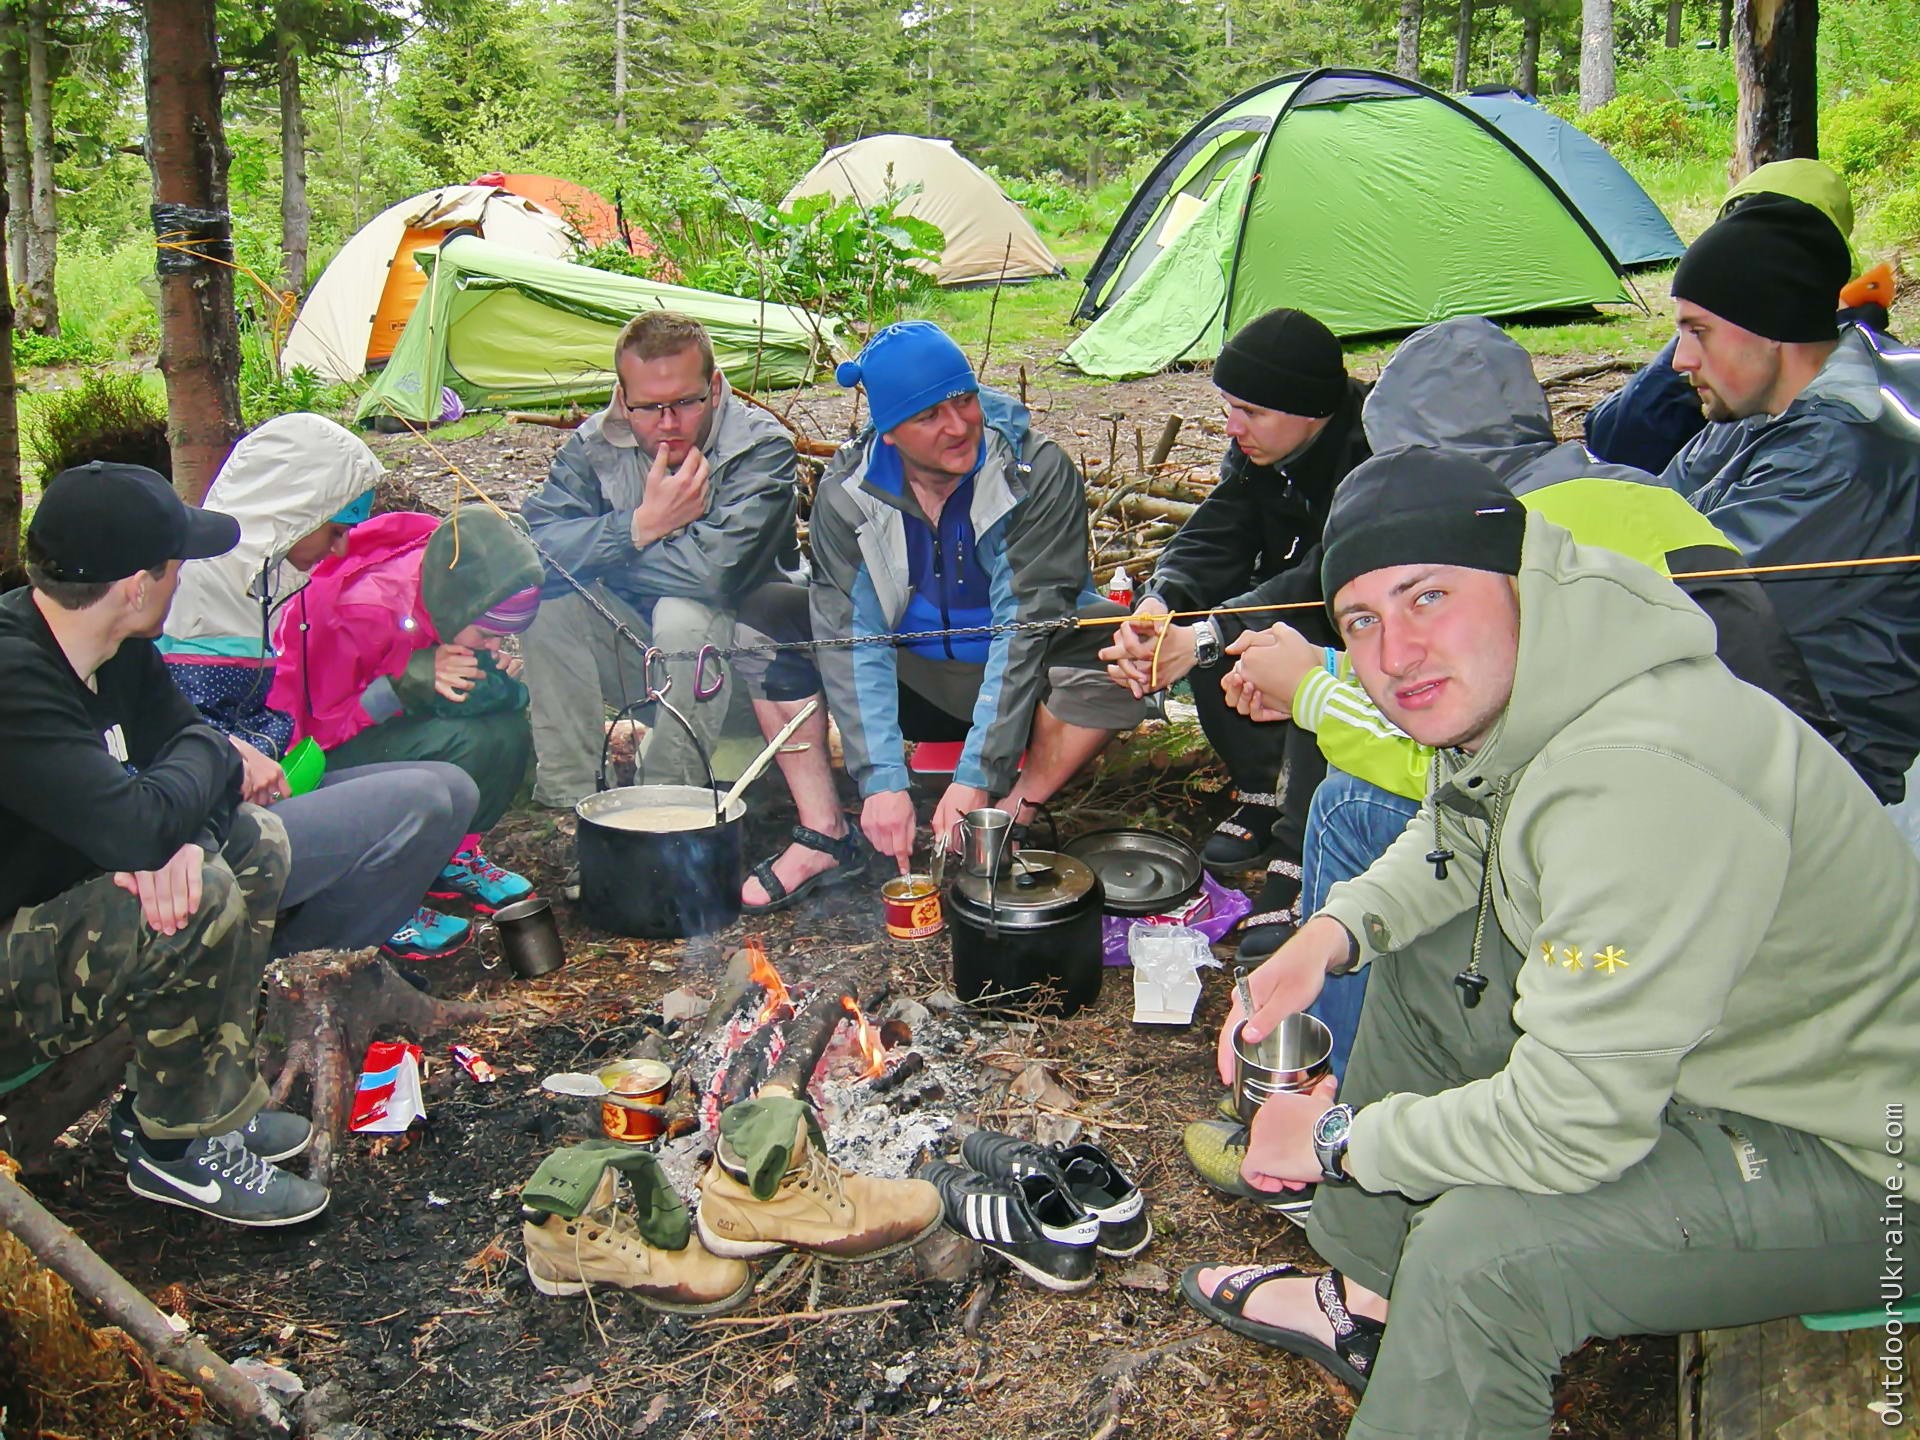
<point>670,407</point>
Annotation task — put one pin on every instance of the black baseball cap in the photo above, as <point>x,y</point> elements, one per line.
<point>104,521</point>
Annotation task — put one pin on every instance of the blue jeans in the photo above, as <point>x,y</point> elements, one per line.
<point>1349,825</point>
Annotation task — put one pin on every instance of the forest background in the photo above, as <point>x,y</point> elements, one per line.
<point>696,116</point>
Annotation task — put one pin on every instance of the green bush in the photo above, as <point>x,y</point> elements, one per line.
<point>267,390</point>
<point>30,350</point>
<point>110,416</point>
<point>99,287</point>
<point>1646,128</point>
<point>1871,137</point>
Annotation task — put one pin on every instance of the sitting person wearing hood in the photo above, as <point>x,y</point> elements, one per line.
<point>393,652</point>
<point>366,845</point>
<point>945,515</point>
<point>669,505</point>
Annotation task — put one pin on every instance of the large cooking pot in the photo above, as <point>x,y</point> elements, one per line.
<point>659,884</point>
<point>1029,935</point>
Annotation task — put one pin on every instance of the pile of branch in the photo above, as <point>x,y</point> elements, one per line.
<point>1137,497</point>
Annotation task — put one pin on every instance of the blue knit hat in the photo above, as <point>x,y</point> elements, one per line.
<point>908,367</point>
<point>360,510</point>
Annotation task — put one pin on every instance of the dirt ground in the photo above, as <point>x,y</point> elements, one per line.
<point>408,1301</point>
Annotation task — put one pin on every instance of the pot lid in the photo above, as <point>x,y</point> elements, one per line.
<point>1143,871</point>
<point>1035,883</point>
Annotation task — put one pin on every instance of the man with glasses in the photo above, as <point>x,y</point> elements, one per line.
<point>672,503</point>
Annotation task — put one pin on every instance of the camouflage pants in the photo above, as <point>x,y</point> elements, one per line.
<point>75,968</point>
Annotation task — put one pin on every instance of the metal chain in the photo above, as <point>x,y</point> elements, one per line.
<point>906,637</point>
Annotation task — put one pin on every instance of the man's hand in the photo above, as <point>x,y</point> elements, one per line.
<point>1130,658</point>
<point>455,671</point>
<point>1280,1147</point>
<point>1272,664</point>
<point>674,499</point>
<point>1288,982</point>
<point>262,781</point>
<point>957,801</point>
<point>169,895</point>
<point>887,821</point>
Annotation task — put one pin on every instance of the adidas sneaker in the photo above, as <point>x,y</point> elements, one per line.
<point>1084,1171</point>
<point>1041,1230</point>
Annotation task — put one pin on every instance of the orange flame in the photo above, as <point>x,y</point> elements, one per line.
<point>763,974</point>
<point>873,1059</point>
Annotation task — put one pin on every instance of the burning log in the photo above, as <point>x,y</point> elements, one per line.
<point>747,1067</point>
<point>808,1034</point>
<point>908,1066</point>
<point>737,989</point>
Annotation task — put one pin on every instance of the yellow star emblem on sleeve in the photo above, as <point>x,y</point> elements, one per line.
<point>1570,958</point>
<point>1610,959</point>
<point>1546,951</point>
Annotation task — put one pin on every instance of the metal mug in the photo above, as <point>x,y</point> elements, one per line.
<point>529,938</point>
<point>983,836</point>
<point>1291,1059</point>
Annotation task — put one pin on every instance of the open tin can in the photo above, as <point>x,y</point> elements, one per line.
<point>913,907</point>
<point>632,1084</point>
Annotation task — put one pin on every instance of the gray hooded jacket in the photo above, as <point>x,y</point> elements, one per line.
<point>583,515</point>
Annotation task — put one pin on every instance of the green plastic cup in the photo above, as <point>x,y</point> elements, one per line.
<point>305,764</point>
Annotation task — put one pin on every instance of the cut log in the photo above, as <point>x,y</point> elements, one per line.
<point>324,1006</point>
<point>40,1110</point>
<point>1781,1380</point>
<point>808,1034</point>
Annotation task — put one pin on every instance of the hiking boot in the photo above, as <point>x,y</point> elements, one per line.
<point>1217,1148</point>
<point>771,1187</point>
<point>605,1247</point>
<point>428,936</point>
<point>1245,838</point>
<point>1040,1229</point>
<point>1084,1171</point>
<point>472,877</point>
<point>273,1135</point>
<point>219,1176</point>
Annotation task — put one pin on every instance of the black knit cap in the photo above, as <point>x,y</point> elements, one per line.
<point>1420,506</point>
<point>1773,266</point>
<point>1285,360</point>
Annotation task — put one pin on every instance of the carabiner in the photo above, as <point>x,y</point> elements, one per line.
<point>654,657</point>
<point>705,688</point>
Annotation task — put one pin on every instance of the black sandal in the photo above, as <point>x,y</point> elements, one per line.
<point>1356,1339</point>
<point>848,863</point>
<point>1245,838</point>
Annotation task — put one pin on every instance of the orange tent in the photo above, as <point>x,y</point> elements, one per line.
<point>585,210</point>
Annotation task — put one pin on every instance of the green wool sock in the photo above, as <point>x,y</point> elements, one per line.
<point>565,1182</point>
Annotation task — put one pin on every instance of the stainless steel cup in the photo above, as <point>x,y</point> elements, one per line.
<point>1290,1060</point>
<point>984,834</point>
<point>529,938</point>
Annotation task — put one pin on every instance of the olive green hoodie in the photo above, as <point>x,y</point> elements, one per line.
<point>1714,908</point>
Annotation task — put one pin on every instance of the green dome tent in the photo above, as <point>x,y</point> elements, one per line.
<point>1365,199</point>
<point>503,328</point>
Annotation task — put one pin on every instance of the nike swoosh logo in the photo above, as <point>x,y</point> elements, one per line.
<point>206,1194</point>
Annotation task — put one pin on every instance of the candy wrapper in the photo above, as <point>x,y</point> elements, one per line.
<point>1213,911</point>
<point>388,1098</point>
<point>1167,960</point>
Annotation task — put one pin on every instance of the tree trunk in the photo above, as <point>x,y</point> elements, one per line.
<point>1226,22</point>
<point>1406,56</point>
<point>187,150</point>
<point>1526,74</point>
<point>43,226</point>
<point>619,67</point>
<point>1463,45</point>
<point>1773,56</point>
<point>296,215</point>
<point>10,565</point>
<point>1596,53</point>
<point>1673,23</point>
<point>1726,23</point>
<point>13,135</point>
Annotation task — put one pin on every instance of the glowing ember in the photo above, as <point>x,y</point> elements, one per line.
<point>873,1060</point>
<point>763,974</point>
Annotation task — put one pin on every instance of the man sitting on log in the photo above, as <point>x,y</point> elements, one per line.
<point>1644,996</point>
<point>671,503</point>
<point>139,889</point>
<point>945,519</point>
<point>1294,431</point>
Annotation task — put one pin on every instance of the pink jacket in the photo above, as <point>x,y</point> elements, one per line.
<point>358,620</point>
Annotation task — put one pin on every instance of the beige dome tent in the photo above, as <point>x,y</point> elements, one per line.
<point>358,307</point>
<point>987,237</point>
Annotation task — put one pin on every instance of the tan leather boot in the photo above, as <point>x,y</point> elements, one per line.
<point>818,1207</point>
<point>604,1247</point>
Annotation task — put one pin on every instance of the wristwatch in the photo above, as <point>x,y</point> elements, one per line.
<point>1330,1134</point>
<point>1206,645</point>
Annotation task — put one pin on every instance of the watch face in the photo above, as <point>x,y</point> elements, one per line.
<point>1331,1128</point>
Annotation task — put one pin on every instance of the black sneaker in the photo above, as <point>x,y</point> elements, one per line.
<point>219,1176</point>
<point>1043,1232</point>
<point>1085,1171</point>
<point>273,1135</point>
